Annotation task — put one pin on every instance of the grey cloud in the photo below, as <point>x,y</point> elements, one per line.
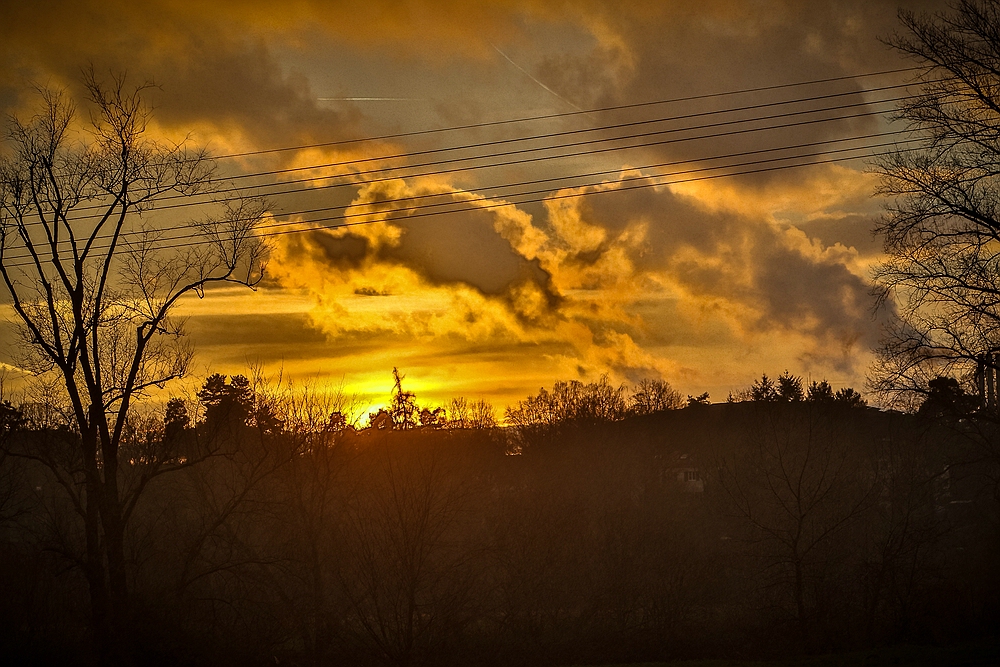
<point>338,252</point>
<point>240,84</point>
<point>290,331</point>
<point>750,262</point>
<point>853,231</point>
<point>728,45</point>
<point>585,79</point>
<point>463,248</point>
<point>207,71</point>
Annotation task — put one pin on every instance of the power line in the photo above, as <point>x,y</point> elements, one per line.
<point>562,133</point>
<point>527,119</point>
<point>423,207</point>
<point>580,143</point>
<point>419,211</point>
<point>523,151</point>
<point>591,174</point>
<point>565,177</point>
<point>529,201</point>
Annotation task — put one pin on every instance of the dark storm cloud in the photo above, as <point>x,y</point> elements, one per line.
<point>207,72</point>
<point>293,330</point>
<point>338,252</point>
<point>677,49</point>
<point>853,231</point>
<point>789,283</point>
<point>247,75</point>
<point>463,248</point>
<point>240,85</point>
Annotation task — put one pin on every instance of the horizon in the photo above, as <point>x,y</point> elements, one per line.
<point>499,333</point>
<point>704,279</point>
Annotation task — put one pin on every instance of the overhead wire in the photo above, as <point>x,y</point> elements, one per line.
<point>577,131</point>
<point>566,114</point>
<point>356,174</point>
<point>194,225</point>
<point>572,176</point>
<point>419,211</point>
<point>518,152</point>
<point>494,205</point>
<point>602,128</point>
<point>591,174</point>
<point>606,172</point>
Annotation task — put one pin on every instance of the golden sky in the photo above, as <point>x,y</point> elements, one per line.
<point>705,284</point>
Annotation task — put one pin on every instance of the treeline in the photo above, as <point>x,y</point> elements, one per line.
<point>566,401</point>
<point>263,530</point>
<point>599,401</point>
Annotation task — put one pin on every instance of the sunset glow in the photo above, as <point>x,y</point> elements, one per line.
<point>535,251</point>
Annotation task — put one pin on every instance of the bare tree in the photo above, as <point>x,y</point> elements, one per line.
<point>653,396</point>
<point>941,227</point>
<point>570,401</point>
<point>409,567</point>
<point>93,283</point>
<point>799,481</point>
<point>463,413</point>
<point>403,408</point>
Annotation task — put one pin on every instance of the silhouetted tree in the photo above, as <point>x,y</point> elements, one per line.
<point>482,415</point>
<point>798,483</point>
<point>538,410</point>
<point>701,399</point>
<point>93,291</point>
<point>763,389</point>
<point>380,420</point>
<point>227,404</point>
<point>570,401</point>
<point>435,418</point>
<point>848,396</point>
<point>940,229</point>
<point>11,418</point>
<point>947,398</point>
<point>175,419</point>
<point>789,387</point>
<point>12,421</point>
<point>653,396</point>
<point>403,407</point>
<point>406,574</point>
<point>458,412</point>
<point>308,496</point>
<point>336,422</point>
<point>463,413</point>
<point>307,545</point>
<point>820,392</point>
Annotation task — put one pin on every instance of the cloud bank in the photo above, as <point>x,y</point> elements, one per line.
<point>705,283</point>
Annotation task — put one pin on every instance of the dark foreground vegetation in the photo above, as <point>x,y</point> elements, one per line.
<point>595,527</point>
<point>782,523</point>
<point>973,654</point>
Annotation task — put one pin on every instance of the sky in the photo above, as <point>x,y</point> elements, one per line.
<point>540,273</point>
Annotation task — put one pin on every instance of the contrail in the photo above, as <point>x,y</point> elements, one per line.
<point>5,367</point>
<point>371,99</point>
<point>528,74</point>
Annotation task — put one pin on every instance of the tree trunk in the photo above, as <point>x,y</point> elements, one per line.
<point>800,604</point>
<point>114,552</point>
<point>96,579</point>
